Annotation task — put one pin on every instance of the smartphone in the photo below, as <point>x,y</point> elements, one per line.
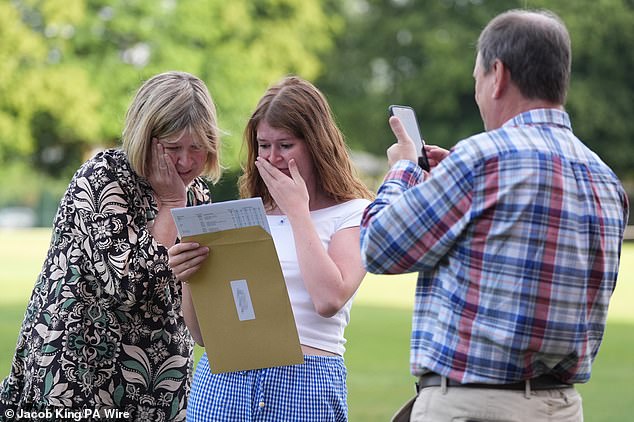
<point>407,116</point>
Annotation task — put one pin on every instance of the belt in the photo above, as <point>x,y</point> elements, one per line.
<point>542,382</point>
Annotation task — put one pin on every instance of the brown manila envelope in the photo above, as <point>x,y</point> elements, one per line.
<point>241,302</point>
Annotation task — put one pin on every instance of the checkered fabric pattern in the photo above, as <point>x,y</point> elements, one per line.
<point>315,391</point>
<point>516,236</point>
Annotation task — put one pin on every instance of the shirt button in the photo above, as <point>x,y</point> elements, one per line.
<point>261,404</point>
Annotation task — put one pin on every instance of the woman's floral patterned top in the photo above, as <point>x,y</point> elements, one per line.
<point>104,328</point>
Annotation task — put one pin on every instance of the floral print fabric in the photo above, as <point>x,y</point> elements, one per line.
<point>104,328</point>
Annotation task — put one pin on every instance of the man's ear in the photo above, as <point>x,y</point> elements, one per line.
<point>502,78</point>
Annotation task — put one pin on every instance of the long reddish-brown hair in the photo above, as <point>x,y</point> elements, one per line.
<point>297,106</point>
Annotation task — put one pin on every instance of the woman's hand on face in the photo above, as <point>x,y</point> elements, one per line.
<point>289,193</point>
<point>186,258</point>
<point>164,179</point>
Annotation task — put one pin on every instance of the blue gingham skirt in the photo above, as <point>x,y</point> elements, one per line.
<point>315,391</point>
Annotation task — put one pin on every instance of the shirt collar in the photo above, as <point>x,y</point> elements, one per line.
<point>540,116</point>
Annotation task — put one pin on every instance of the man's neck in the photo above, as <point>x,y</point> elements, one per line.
<point>511,107</point>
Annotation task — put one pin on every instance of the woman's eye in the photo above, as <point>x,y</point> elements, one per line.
<point>263,146</point>
<point>287,146</point>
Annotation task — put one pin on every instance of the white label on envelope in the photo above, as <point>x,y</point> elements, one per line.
<point>243,300</point>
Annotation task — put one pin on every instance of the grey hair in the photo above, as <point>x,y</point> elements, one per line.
<point>535,47</point>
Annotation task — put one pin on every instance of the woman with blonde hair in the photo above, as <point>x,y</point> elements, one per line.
<point>104,333</point>
<point>299,164</point>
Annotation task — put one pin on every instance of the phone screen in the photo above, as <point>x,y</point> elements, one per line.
<point>407,116</point>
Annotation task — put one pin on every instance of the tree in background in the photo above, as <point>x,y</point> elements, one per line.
<point>70,67</point>
<point>46,110</point>
<point>422,53</point>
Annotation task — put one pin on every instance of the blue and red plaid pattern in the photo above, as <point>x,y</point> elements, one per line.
<point>314,391</point>
<point>516,236</point>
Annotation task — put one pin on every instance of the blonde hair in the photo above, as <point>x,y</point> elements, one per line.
<point>298,107</point>
<point>166,105</point>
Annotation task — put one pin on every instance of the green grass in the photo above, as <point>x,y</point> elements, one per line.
<point>378,350</point>
<point>377,353</point>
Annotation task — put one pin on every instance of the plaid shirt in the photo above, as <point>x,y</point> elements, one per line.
<point>516,236</point>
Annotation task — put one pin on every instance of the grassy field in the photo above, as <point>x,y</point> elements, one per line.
<point>378,335</point>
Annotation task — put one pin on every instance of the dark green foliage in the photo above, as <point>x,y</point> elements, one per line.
<point>422,53</point>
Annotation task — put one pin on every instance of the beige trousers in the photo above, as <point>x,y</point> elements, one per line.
<point>461,404</point>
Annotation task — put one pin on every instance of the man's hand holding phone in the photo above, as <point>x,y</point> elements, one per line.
<point>404,148</point>
<point>407,133</point>
<point>435,154</point>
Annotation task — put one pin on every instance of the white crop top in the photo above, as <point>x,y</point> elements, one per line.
<point>313,329</point>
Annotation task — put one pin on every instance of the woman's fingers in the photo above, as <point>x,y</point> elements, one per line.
<point>185,259</point>
<point>267,171</point>
<point>295,174</point>
<point>271,176</point>
<point>180,252</point>
<point>186,270</point>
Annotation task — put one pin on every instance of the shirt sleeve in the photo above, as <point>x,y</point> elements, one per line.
<point>101,232</point>
<point>353,214</point>
<point>414,222</point>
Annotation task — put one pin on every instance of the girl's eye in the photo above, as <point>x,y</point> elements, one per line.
<point>287,146</point>
<point>263,146</point>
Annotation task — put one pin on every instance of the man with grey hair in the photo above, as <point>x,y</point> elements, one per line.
<point>516,234</point>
